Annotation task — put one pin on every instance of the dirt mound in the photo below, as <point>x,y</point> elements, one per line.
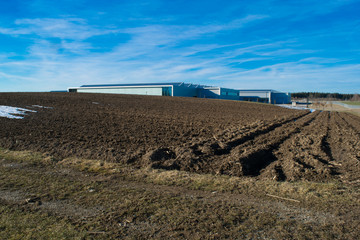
<point>161,158</point>
<point>197,135</point>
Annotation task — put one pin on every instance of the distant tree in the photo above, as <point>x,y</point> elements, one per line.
<point>318,95</point>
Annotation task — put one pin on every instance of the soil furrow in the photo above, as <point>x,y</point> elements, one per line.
<point>345,145</point>
<point>251,157</point>
<point>304,156</point>
<point>253,133</point>
<point>220,145</point>
<point>350,122</point>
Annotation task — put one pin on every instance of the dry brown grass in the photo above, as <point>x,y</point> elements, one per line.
<point>119,201</point>
<point>333,107</point>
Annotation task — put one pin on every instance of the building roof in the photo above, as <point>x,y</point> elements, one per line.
<point>145,84</point>
<point>258,90</point>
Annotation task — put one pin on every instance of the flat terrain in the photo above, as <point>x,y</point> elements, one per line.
<point>329,106</point>
<point>107,166</point>
<point>352,103</point>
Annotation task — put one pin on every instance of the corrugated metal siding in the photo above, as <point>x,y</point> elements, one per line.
<point>210,92</point>
<point>228,93</point>
<point>280,98</point>
<point>260,94</point>
<point>181,89</point>
<point>153,91</point>
<point>184,91</point>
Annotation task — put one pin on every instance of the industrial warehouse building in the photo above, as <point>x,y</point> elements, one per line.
<point>180,89</point>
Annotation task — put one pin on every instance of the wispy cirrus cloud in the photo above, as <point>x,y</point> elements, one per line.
<point>63,28</point>
<point>297,75</point>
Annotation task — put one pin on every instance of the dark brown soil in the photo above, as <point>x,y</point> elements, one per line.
<point>196,135</point>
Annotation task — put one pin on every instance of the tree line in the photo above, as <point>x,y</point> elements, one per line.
<point>316,95</point>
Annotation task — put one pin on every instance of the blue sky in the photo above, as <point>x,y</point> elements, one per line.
<point>284,45</point>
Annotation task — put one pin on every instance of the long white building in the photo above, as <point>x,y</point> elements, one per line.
<point>181,89</point>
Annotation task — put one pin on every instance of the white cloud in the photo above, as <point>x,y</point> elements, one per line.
<point>297,75</point>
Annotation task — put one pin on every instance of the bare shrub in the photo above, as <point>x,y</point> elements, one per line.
<point>355,98</point>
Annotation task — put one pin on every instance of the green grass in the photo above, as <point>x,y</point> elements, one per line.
<point>351,103</point>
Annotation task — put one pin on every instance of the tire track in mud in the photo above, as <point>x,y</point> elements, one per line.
<point>345,144</point>
<point>305,155</point>
<point>251,134</point>
<point>325,144</point>
<point>225,141</point>
<point>250,158</point>
<point>351,121</point>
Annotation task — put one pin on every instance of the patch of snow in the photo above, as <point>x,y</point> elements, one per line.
<point>38,106</point>
<point>7,111</point>
<point>297,107</point>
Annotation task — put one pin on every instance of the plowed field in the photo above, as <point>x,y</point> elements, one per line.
<point>92,166</point>
<point>195,135</point>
